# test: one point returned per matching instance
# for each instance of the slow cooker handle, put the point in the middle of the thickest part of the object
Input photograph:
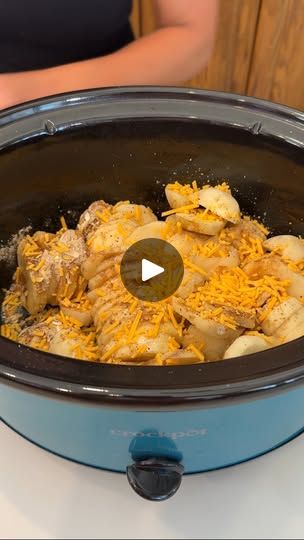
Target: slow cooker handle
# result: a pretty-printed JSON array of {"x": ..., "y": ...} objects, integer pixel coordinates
[{"x": 155, "y": 479}]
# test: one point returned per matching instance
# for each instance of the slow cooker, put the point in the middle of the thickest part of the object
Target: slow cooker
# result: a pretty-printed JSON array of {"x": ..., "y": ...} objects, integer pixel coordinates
[{"x": 59, "y": 154}]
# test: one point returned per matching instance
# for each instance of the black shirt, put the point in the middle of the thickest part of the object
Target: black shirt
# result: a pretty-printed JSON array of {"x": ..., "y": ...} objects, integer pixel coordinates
[{"x": 36, "y": 34}]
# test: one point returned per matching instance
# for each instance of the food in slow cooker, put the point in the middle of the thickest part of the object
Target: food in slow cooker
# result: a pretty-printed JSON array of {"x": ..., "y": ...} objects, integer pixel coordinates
[{"x": 241, "y": 292}]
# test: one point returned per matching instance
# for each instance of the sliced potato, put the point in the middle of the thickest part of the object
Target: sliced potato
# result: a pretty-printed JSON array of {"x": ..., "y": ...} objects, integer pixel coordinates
[
  {"x": 293, "y": 327},
  {"x": 53, "y": 271},
  {"x": 246, "y": 345},
  {"x": 214, "y": 338},
  {"x": 244, "y": 317},
  {"x": 102, "y": 278},
  {"x": 210, "y": 264},
  {"x": 176, "y": 198},
  {"x": 221, "y": 203},
  {"x": 112, "y": 235},
  {"x": 279, "y": 314},
  {"x": 195, "y": 223},
  {"x": 131, "y": 352},
  {"x": 272, "y": 265},
  {"x": 90, "y": 220},
  {"x": 183, "y": 241},
  {"x": 98, "y": 263},
  {"x": 245, "y": 228},
  {"x": 155, "y": 229},
  {"x": 70, "y": 347},
  {"x": 138, "y": 213},
  {"x": 181, "y": 357},
  {"x": 83, "y": 316},
  {"x": 63, "y": 346},
  {"x": 37, "y": 294},
  {"x": 291, "y": 247},
  {"x": 191, "y": 280},
  {"x": 38, "y": 335}
]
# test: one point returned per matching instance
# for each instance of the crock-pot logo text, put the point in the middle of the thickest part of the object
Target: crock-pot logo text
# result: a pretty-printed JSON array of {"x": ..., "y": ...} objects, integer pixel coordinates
[{"x": 159, "y": 434}]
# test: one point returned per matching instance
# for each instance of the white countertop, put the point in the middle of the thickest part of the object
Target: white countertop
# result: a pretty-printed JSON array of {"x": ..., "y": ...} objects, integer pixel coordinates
[{"x": 42, "y": 496}]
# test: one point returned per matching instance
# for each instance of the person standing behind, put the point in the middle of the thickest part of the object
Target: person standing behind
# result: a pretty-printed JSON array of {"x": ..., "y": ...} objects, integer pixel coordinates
[{"x": 59, "y": 46}]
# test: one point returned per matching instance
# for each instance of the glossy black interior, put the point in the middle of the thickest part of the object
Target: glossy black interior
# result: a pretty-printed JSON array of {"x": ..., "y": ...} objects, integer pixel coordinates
[{"x": 52, "y": 165}]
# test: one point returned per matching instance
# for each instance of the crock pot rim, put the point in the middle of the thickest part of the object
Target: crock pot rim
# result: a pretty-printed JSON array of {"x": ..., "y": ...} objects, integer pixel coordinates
[
  {"x": 32, "y": 107},
  {"x": 282, "y": 373}
]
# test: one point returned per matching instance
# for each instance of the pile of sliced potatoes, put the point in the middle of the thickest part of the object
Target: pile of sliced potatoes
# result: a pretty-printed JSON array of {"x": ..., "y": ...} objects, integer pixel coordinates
[{"x": 242, "y": 290}]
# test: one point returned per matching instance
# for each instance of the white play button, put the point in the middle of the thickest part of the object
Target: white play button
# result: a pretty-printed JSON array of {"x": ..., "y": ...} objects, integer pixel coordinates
[{"x": 149, "y": 270}]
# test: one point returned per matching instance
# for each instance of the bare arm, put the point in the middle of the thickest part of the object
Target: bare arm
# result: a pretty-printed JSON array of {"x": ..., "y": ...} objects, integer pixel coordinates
[{"x": 175, "y": 51}]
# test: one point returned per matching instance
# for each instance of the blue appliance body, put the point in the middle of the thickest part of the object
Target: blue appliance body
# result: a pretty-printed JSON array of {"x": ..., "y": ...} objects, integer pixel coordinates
[
  {"x": 111, "y": 438},
  {"x": 59, "y": 154}
]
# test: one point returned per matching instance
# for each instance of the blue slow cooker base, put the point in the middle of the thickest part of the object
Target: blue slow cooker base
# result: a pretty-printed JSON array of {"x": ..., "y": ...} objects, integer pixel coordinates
[
  {"x": 276, "y": 447},
  {"x": 110, "y": 438}
]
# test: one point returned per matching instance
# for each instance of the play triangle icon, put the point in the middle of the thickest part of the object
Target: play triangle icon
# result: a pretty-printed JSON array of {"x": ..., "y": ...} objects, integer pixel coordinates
[{"x": 150, "y": 270}]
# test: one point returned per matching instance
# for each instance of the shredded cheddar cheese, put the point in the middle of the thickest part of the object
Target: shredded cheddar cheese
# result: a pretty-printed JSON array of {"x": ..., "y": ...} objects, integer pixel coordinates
[
  {"x": 104, "y": 216},
  {"x": 172, "y": 317},
  {"x": 223, "y": 187},
  {"x": 233, "y": 289},
  {"x": 209, "y": 249},
  {"x": 63, "y": 223},
  {"x": 181, "y": 209},
  {"x": 250, "y": 249},
  {"x": 183, "y": 189},
  {"x": 196, "y": 351},
  {"x": 157, "y": 323},
  {"x": 122, "y": 231},
  {"x": 138, "y": 214},
  {"x": 108, "y": 329},
  {"x": 110, "y": 351},
  {"x": 134, "y": 325}
]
